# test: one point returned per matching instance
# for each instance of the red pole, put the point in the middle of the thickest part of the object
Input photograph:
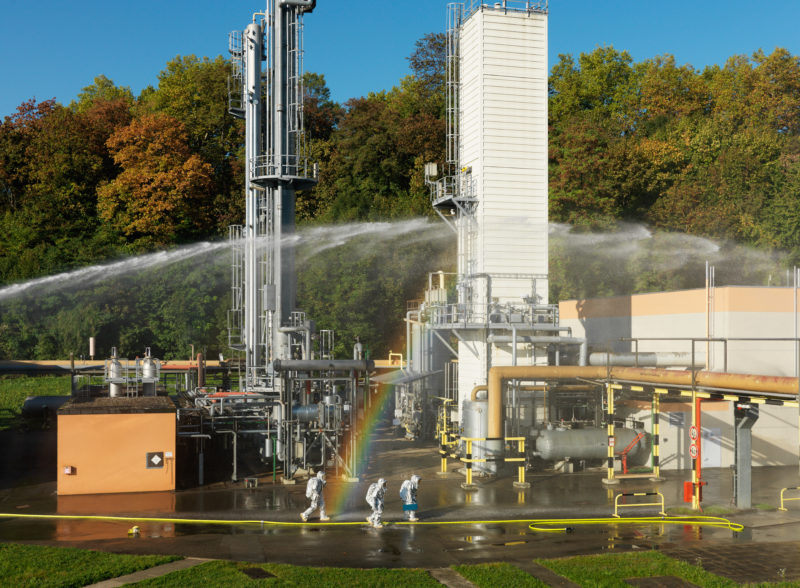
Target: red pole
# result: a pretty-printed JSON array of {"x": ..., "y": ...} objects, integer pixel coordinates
[{"x": 698, "y": 417}]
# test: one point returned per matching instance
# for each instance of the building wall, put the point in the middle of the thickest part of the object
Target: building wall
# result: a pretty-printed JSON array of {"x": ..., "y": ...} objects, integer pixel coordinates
[
  {"x": 108, "y": 452},
  {"x": 734, "y": 312},
  {"x": 503, "y": 130},
  {"x": 503, "y": 140}
]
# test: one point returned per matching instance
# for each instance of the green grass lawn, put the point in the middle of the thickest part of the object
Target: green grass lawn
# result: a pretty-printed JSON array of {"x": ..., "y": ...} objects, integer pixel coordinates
[
  {"x": 15, "y": 389},
  {"x": 45, "y": 567},
  {"x": 233, "y": 574},
  {"x": 611, "y": 570},
  {"x": 34, "y": 565}
]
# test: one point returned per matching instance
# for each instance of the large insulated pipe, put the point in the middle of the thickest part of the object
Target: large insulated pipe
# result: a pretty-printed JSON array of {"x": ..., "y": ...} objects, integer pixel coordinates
[
  {"x": 545, "y": 340},
  {"x": 323, "y": 365},
  {"x": 201, "y": 371},
  {"x": 725, "y": 381},
  {"x": 649, "y": 359}
]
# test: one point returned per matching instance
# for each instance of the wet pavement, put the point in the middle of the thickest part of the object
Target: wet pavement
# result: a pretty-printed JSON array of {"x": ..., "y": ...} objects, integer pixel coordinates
[{"x": 454, "y": 527}]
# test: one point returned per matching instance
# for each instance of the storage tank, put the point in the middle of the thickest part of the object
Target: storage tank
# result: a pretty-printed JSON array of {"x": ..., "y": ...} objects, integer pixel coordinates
[
  {"x": 115, "y": 389},
  {"x": 474, "y": 424},
  {"x": 558, "y": 444},
  {"x": 149, "y": 374}
]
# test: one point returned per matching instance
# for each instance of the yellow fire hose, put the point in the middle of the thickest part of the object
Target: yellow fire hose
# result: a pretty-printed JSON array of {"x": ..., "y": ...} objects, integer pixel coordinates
[{"x": 537, "y": 525}]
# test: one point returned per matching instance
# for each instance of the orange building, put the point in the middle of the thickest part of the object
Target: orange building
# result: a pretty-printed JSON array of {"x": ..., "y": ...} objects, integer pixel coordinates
[{"x": 109, "y": 445}]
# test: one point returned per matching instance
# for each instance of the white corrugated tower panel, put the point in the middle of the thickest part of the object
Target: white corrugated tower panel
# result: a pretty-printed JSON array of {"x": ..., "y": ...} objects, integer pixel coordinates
[{"x": 503, "y": 139}]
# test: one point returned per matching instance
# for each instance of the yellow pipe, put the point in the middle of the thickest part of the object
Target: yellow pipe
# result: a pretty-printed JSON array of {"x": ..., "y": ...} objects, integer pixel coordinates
[
  {"x": 475, "y": 390},
  {"x": 661, "y": 377}
]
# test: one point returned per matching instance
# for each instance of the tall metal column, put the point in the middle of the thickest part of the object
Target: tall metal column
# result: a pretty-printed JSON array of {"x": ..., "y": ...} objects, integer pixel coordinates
[
  {"x": 610, "y": 479},
  {"x": 272, "y": 106},
  {"x": 253, "y": 38},
  {"x": 744, "y": 417}
]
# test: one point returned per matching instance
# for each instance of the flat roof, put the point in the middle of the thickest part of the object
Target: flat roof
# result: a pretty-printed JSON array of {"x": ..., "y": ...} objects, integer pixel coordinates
[{"x": 121, "y": 405}]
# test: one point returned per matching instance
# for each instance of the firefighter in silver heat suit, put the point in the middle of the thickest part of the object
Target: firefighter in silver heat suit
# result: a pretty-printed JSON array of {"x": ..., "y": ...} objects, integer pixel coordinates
[
  {"x": 314, "y": 492},
  {"x": 375, "y": 494},
  {"x": 408, "y": 494}
]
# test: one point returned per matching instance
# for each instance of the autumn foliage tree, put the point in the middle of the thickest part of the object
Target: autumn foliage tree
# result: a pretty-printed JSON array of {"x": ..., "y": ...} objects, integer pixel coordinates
[
  {"x": 712, "y": 152},
  {"x": 161, "y": 193}
]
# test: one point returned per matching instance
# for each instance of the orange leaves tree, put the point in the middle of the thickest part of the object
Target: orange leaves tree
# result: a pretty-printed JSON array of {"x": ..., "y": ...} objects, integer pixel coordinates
[{"x": 162, "y": 192}]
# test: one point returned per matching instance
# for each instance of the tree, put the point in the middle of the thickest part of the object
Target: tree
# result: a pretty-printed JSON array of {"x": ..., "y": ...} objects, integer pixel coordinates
[
  {"x": 101, "y": 90},
  {"x": 321, "y": 114},
  {"x": 428, "y": 62},
  {"x": 56, "y": 159},
  {"x": 162, "y": 192},
  {"x": 194, "y": 91}
]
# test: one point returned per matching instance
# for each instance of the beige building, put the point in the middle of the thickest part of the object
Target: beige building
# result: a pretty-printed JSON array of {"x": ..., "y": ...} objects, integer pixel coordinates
[
  {"x": 730, "y": 314},
  {"x": 111, "y": 445}
]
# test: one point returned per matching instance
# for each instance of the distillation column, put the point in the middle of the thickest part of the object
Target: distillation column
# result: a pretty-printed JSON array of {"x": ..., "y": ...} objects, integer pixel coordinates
[{"x": 253, "y": 49}]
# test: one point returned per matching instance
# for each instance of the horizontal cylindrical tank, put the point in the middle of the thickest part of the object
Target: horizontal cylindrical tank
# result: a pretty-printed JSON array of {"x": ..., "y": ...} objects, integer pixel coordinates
[
  {"x": 306, "y": 414},
  {"x": 557, "y": 444},
  {"x": 36, "y": 407},
  {"x": 310, "y": 365}
]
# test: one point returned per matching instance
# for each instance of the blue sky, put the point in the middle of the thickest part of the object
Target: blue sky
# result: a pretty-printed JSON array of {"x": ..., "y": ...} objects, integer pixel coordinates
[{"x": 53, "y": 48}]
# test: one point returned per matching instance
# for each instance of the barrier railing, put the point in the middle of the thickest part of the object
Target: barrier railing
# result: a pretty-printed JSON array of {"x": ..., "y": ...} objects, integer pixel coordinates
[
  {"x": 617, "y": 505},
  {"x": 784, "y": 500},
  {"x": 518, "y": 457}
]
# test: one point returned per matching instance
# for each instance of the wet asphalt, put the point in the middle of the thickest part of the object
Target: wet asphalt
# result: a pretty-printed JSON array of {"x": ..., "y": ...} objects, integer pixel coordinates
[{"x": 457, "y": 526}]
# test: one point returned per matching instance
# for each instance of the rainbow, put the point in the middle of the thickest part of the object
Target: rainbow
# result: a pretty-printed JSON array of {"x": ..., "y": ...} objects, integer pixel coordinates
[{"x": 342, "y": 491}]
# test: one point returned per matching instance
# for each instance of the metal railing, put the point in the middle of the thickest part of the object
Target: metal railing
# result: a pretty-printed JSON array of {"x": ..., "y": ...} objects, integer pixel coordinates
[
  {"x": 617, "y": 505},
  {"x": 295, "y": 166},
  {"x": 784, "y": 500},
  {"x": 472, "y": 6}
]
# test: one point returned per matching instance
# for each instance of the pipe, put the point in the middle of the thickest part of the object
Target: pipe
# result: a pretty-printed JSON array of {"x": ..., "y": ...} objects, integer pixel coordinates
[
  {"x": 475, "y": 390},
  {"x": 322, "y": 365},
  {"x": 743, "y": 382},
  {"x": 648, "y": 359},
  {"x": 201, "y": 371},
  {"x": 513, "y": 345},
  {"x": 558, "y": 340}
]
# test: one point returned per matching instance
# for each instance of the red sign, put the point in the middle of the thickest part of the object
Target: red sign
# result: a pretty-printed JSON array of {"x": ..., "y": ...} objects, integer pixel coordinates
[
  {"x": 693, "y": 432},
  {"x": 611, "y": 441},
  {"x": 693, "y": 450}
]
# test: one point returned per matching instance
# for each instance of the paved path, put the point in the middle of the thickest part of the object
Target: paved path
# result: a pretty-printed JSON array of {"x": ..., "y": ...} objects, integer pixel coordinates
[
  {"x": 546, "y": 575},
  {"x": 154, "y": 572},
  {"x": 450, "y": 578}
]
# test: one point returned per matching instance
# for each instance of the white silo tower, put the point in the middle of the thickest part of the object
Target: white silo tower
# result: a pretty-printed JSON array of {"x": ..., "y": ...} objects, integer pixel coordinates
[{"x": 493, "y": 194}]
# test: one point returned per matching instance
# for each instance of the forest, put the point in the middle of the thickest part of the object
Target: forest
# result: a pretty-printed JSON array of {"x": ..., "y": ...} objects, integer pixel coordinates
[{"x": 692, "y": 155}]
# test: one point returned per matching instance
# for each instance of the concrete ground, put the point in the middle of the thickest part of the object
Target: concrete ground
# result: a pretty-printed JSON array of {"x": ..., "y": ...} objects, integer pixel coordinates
[{"x": 456, "y": 526}]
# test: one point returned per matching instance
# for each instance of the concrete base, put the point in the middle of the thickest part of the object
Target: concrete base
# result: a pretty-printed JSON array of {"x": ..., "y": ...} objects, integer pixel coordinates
[
  {"x": 566, "y": 467},
  {"x": 288, "y": 481},
  {"x": 522, "y": 485},
  {"x": 443, "y": 474},
  {"x": 469, "y": 487},
  {"x": 609, "y": 481},
  {"x": 656, "y": 479}
]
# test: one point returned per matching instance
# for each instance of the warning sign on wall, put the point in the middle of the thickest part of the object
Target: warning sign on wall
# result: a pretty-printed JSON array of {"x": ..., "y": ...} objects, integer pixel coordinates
[{"x": 155, "y": 459}]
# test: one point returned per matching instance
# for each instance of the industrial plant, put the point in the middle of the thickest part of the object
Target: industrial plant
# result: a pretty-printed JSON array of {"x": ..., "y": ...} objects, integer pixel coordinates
[
  {"x": 500, "y": 380},
  {"x": 290, "y": 405}
]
